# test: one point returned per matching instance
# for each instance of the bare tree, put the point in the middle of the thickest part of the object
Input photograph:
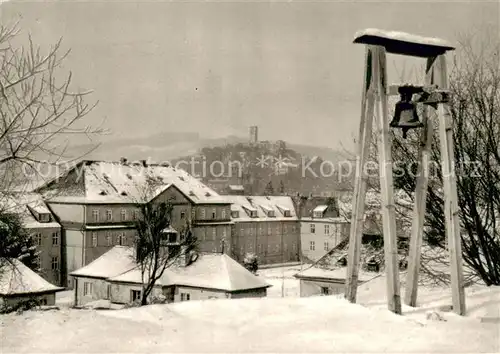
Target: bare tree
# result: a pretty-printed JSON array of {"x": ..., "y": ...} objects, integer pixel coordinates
[
  {"x": 158, "y": 245},
  {"x": 38, "y": 108}
]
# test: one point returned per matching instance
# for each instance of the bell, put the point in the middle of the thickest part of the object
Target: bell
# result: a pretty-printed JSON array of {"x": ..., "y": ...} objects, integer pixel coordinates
[{"x": 405, "y": 115}]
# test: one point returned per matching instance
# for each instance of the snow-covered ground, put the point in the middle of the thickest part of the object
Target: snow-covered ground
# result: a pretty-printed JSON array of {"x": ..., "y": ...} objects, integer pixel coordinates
[{"x": 273, "y": 324}]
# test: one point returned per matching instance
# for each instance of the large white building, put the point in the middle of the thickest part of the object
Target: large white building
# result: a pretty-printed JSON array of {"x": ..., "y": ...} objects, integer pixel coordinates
[{"x": 320, "y": 234}]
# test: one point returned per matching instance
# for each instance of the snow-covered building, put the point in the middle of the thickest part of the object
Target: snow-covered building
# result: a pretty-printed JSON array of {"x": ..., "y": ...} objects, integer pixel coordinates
[
  {"x": 321, "y": 227},
  {"x": 18, "y": 283},
  {"x": 97, "y": 202},
  {"x": 38, "y": 219},
  {"x": 327, "y": 276},
  {"x": 116, "y": 277},
  {"x": 266, "y": 226}
]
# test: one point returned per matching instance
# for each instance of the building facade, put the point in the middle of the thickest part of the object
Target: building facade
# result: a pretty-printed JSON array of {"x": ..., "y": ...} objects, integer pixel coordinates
[
  {"x": 319, "y": 235},
  {"x": 97, "y": 203},
  {"x": 45, "y": 231},
  {"x": 266, "y": 226}
]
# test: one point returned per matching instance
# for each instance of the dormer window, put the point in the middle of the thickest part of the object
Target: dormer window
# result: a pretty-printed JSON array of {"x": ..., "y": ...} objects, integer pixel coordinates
[
  {"x": 285, "y": 211},
  {"x": 319, "y": 211},
  {"x": 235, "y": 214},
  {"x": 253, "y": 213},
  {"x": 271, "y": 213},
  {"x": 44, "y": 217}
]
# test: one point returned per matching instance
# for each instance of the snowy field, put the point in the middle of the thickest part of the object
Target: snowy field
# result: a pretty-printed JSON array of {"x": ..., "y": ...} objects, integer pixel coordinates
[{"x": 271, "y": 325}]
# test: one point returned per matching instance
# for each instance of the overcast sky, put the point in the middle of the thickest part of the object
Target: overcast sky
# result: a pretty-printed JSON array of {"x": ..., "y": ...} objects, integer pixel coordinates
[{"x": 216, "y": 68}]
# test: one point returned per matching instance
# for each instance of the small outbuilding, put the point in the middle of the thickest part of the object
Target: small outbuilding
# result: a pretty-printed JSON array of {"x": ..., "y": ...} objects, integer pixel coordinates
[
  {"x": 18, "y": 283},
  {"x": 116, "y": 277},
  {"x": 327, "y": 276}
]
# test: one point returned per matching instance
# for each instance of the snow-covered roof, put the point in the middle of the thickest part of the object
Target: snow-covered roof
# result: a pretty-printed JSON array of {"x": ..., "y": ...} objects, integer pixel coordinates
[
  {"x": 211, "y": 271},
  {"x": 403, "y": 43},
  {"x": 320, "y": 208},
  {"x": 262, "y": 205},
  {"x": 16, "y": 278},
  {"x": 337, "y": 220},
  {"x": 120, "y": 182},
  {"x": 327, "y": 267},
  {"x": 24, "y": 204},
  {"x": 118, "y": 260}
]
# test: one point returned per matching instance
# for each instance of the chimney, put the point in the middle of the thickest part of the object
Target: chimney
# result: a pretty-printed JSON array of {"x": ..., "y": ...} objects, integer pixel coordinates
[
  {"x": 123, "y": 160},
  {"x": 144, "y": 163},
  {"x": 183, "y": 258}
]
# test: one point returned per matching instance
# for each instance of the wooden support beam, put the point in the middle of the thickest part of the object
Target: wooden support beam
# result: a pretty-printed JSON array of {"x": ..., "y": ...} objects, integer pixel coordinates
[
  {"x": 358, "y": 200},
  {"x": 427, "y": 94},
  {"x": 451, "y": 210},
  {"x": 386, "y": 182},
  {"x": 417, "y": 227}
]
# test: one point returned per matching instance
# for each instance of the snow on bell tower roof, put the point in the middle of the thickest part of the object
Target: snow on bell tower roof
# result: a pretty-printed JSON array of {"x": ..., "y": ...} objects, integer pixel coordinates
[{"x": 403, "y": 43}]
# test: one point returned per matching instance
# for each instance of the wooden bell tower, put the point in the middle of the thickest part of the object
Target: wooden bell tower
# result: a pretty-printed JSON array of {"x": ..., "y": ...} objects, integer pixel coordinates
[{"x": 434, "y": 95}]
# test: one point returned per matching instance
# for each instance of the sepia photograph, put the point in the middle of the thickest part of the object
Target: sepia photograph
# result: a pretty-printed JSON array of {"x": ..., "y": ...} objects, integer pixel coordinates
[{"x": 249, "y": 176}]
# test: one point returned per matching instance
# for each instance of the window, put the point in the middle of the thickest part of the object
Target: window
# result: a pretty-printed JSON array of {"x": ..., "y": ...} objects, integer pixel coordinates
[
  {"x": 183, "y": 214},
  {"x": 87, "y": 289},
  {"x": 224, "y": 232},
  {"x": 55, "y": 238},
  {"x": 38, "y": 239},
  {"x": 120, "y": 239},
  {"x": 109, "y": 215},
  {"x": 318, "y": 214},
  {"x": 109, "y": 238},
  {"x": 95, "y": 215},
  {"x": 284, "y": 228},
  {"x": 214, "y": 233},
  {"x": 312, "y": 245},
  {"x": 277, "y": 248},
  {"x": 269, "y": 229},
  {"x": 135, "y": 295},
  {"x": 44, "y": 217},
  {"x": 202, "y": 211},
  {"x": 326, "y": 246},
  {"x": 223, "y": 214},
  {"x": 278, "y": 229},
  {"x": 136, "y": 214},
  {"x": 325, "y": 290},
  {"x": 313, "y": 228},
  {"x": 259, "y": 247},
  {"x": 327, "y": 229},
  {"x": 55, "y": 263},
  {"x": 214, "y": 214},
  {"x": 123, "y": 214},
  {"x": 294, "y": 247},
  {"x": 108, "y": 292},
  {"x": 185, "y": 297},
  {"x": 94, "y": 239}
]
